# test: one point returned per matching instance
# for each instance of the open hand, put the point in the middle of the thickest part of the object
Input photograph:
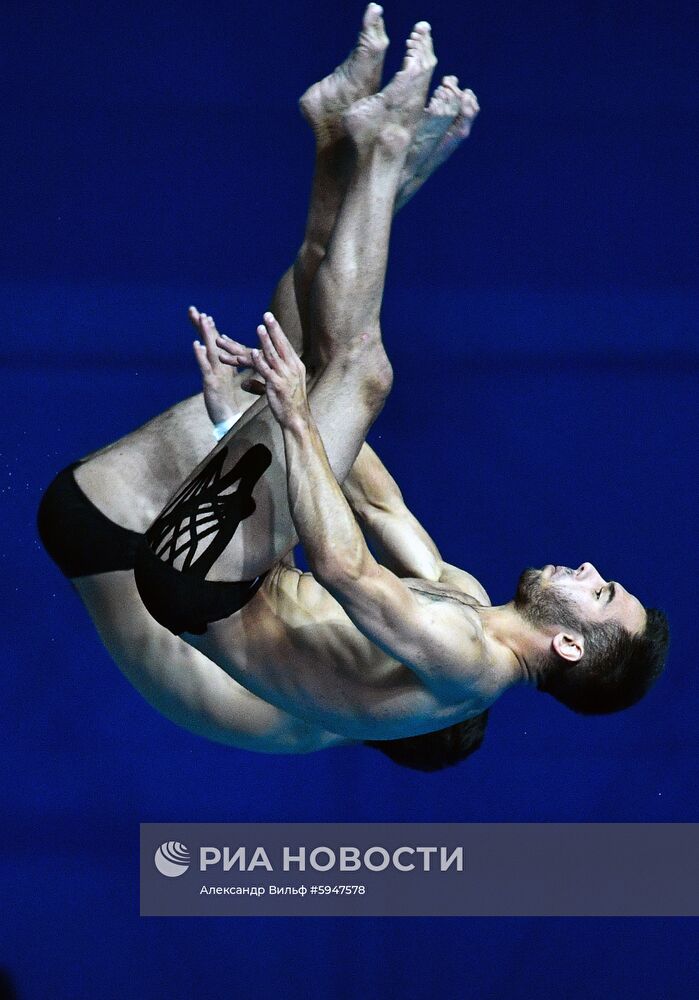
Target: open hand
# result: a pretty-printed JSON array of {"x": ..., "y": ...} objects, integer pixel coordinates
[
  {"x": 217, "y": 377},
  {"x": 283, "y": 372}
]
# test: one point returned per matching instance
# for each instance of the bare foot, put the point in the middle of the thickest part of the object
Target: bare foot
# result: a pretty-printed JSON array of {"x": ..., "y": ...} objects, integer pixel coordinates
[
  {"x": 463, "y": 122},
  {"x": 358, "y": 76},
  {"x": 394, "y": 114},
  {"x": 437, "y": 117},
  {"x": 432, "y": 157}
]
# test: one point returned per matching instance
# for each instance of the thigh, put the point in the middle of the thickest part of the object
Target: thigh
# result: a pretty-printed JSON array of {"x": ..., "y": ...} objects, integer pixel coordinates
[
  {"x": 230, "y": 519},
  {"x": 181, "y": 683},
  {"x": 132, "y": 479}
]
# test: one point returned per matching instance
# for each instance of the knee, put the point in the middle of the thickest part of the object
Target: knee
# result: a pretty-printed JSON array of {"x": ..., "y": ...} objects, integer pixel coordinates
[
  {"x": 309, "y": 258},
  {"x": 383, "y": 374},
  {"x": 363, "y": 364},
  {"x": 377, "y": 377}
]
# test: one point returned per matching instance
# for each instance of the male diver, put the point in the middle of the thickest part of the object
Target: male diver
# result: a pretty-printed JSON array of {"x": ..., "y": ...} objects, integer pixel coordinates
[
  {"x": 354, "y": 647},
  {"x": 94, "y": 514}
]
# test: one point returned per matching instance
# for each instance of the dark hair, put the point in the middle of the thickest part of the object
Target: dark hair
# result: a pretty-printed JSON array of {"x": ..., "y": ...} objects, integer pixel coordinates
[
  {"x": 434, "y": 751},
  {"x": 616, "y": 669}
]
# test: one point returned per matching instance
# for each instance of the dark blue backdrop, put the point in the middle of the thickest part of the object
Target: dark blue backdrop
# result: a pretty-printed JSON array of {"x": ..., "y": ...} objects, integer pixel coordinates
[{"x": 541, "y": 312}]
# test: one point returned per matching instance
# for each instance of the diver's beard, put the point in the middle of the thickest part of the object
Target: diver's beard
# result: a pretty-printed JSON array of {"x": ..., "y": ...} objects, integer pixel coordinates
[{"x": 541, "y": 606}]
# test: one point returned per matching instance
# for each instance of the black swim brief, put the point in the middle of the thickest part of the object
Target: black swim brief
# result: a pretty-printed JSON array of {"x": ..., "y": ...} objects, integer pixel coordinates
[
  {"x": 80, "y": 539},
  {"x": 182, "y": 602}
]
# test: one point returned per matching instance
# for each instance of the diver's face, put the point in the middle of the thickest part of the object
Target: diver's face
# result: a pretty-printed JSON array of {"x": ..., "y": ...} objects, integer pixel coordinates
[{"x": 574, "y": 598}]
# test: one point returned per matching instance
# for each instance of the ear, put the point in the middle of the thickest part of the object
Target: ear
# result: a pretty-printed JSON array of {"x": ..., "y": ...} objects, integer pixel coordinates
[{"x": 569, "y": 646}]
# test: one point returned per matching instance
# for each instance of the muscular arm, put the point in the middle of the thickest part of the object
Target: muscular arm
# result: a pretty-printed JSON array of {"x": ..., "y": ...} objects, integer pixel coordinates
[
  {"x": 434, "y": 637},
  {"x": 401, "y": 542},
  {"x": 431, "y": 637},
  {"x": 398, "y": 538}
]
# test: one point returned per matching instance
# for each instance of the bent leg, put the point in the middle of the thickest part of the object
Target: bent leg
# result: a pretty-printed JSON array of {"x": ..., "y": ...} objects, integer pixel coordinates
[
  {"x": 217, "y": 530},
  {"x": 131, "y": 480},
  {"x": 139, "y": 472},
  {"x": 323, "y": 106},
  {"x": 184, "y": 685}
]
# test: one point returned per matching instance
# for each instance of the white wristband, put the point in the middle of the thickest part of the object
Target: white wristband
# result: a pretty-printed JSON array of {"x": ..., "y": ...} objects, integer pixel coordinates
[{"x": 222, "y": 428}]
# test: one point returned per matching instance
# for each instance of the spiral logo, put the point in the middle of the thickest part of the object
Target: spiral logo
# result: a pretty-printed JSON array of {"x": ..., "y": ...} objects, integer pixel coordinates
[{"x": 172, "y": 859}]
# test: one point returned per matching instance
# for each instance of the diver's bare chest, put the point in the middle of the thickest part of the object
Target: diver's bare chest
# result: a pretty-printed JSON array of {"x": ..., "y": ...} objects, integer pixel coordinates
[{"x": 429, "y": 593}]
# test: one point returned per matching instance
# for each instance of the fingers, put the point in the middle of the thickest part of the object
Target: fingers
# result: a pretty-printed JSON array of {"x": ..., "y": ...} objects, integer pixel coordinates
[
  {"x": 206, "y": 328},
  {"x": 209, "y": 332},
  {"x": 276, "y": 346},
  {"x": 231, "y": 361},
  {"x": 233, "y": 353},
  {"x": 269, "y": 351},
  {"x": 193, "y": 314},
  {"x": 260, "y": 364},
  {"x": 202, "y": 359},
  {"x": 278, "y": 338},
  {"x": 276, "y": 350}
]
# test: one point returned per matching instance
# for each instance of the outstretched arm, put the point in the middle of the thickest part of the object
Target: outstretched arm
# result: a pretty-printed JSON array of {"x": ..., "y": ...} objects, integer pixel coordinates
[{"x": 431, "y": 638}]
